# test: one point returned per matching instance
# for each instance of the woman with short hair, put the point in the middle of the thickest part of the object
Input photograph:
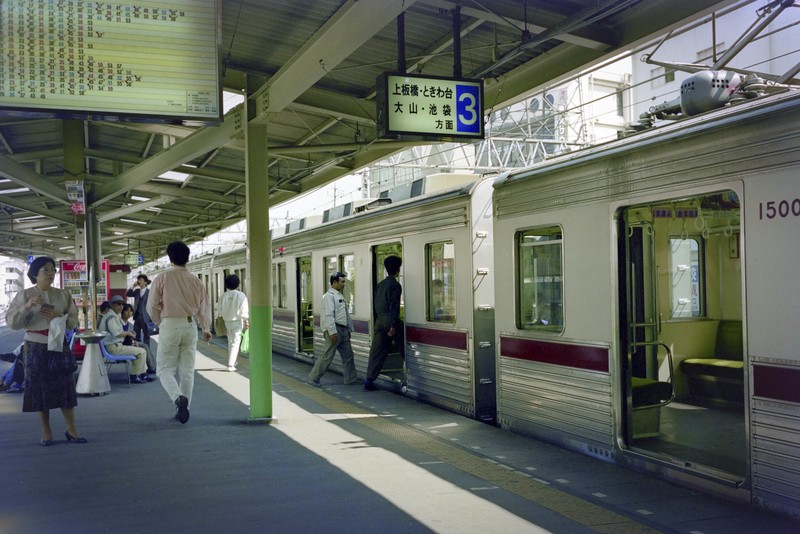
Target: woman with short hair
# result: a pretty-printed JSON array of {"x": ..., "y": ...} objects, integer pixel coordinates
[{"x": 49, "y": 375}]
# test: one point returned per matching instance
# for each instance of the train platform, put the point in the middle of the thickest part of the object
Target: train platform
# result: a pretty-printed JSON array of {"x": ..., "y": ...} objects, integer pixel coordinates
[{"x": 334, "y": 459}]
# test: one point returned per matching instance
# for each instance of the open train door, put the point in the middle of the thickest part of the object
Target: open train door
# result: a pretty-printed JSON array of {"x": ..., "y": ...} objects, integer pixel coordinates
[
  {"x": 680, "y": 318},
  {"x": 395, "y": 365},
  {"x": 305, "y": 306}
]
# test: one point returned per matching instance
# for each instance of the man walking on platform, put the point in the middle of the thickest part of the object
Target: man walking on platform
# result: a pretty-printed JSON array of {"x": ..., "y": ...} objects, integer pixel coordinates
[
  {"x": 235, "y": 311},
  {"x": 336, "y": 325},
  {"x": 176, "y": 297},
  {"x": 388, "y": 326}
]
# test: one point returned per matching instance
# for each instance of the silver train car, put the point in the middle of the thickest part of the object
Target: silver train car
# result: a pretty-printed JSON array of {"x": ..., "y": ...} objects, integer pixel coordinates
[
  {"x": 441, "y": 227},
  {"x": 656, "y": 301},
  {"x": 635, "y": 301}
]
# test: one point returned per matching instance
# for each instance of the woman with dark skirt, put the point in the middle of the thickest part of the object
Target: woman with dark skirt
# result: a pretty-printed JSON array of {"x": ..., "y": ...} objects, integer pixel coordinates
[{"x": 49, "y": 375}]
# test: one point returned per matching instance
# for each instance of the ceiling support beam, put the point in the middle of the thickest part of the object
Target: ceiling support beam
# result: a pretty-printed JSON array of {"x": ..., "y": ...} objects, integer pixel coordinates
[
  {"x": 134, "y": 208},
  {"x": 131, "y": 235},
  {"x": 198, "y": 143},
  {"x": 22, "y": 175},
  {"x": 351, "y": 27},
  {"x": 36, "y": 209}
]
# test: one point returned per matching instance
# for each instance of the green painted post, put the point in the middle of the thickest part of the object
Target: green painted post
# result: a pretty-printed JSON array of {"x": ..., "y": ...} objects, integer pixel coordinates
[{"x": 259, "y": 268}]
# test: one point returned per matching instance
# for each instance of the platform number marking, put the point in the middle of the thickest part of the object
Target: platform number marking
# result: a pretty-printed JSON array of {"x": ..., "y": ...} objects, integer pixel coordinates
[{"x": 467, "y": 106}]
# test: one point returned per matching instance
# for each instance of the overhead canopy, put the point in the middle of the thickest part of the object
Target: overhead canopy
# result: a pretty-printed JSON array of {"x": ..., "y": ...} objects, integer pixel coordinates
[{"x": 309, "y": 68}]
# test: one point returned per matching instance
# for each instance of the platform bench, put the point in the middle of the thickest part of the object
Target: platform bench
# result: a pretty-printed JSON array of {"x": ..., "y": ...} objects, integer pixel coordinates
[{"x": 719, "y": 379}]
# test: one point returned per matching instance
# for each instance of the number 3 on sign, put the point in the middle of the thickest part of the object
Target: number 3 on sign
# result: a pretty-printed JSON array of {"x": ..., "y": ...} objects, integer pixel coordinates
[{"x": 468, "y": 109}]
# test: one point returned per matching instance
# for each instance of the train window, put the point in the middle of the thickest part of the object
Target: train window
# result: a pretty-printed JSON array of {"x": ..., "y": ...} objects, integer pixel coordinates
[
  {"x": 274, "y": 285},
  {"x": 686, "y": 277},
  {"x": 539, "y": 279},
  {"x": 348, "y": 262},
  {"x": 279, "y": 293},
  {"x": 345, "y": 263},
  {"x": 440, "y": 282}
]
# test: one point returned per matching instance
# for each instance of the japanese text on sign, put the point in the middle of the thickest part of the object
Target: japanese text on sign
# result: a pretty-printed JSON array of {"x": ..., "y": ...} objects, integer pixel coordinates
[
  {"x": 151, "y": 58},
  {"x": 443, "y": 107}
]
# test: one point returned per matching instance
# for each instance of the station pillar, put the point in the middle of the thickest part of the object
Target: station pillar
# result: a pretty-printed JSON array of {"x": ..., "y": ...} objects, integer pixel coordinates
[{"x": 259, "y": 266}]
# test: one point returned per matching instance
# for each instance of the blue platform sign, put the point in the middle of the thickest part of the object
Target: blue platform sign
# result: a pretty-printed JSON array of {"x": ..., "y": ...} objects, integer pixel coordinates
[
  {"x": 468, "y": 109},
  {"x": 30, "y": 259},
  {"x": 429, "y": 107}
]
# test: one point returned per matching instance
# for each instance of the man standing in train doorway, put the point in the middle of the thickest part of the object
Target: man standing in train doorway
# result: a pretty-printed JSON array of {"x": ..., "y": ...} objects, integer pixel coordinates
[
  {"x": 176, "y": 298},
  {"x": 336, "y": 325},
  {"x": 388, "y": 326}
]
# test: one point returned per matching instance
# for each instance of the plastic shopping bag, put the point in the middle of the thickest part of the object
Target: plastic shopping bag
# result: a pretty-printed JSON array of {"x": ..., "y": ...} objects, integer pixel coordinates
[{"x": 245, "y": 346}]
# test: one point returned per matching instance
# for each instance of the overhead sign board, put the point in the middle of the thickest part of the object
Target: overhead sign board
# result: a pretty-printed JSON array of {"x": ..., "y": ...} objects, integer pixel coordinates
[
  {"x": 134, "y": 259},
  {"x": 151, "y": 60},
  {"x": 428, "y": 107}
]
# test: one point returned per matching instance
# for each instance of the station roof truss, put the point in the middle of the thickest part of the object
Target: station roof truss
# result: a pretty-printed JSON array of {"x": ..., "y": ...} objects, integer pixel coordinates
[{"x": 309, "y": 70}]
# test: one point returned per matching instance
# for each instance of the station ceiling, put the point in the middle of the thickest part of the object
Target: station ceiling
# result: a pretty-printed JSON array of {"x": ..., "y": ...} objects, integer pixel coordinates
[{"x": 309, "y": 69}]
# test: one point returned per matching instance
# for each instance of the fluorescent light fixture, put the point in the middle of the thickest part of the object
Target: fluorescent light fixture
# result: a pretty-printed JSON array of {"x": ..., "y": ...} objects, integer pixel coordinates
[
  {"x": 118, "y": 233},
  {"x": 30, "y": 218},
  {"x": 46, "y": 228},
  {"x": 174, "y": 176},
  {"x": 18, "y": 190},
  {"x": 66, "y": 248},
  {"x": 151, "y": 208},
  {"x": 133, "y": 221},
  {"x": 139, "y": 199},
  {"x": 120, "y": 243}
]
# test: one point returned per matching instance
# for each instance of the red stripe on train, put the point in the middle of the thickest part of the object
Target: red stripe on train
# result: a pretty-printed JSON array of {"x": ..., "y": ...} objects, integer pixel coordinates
[
  {"x": 579, "y": 356},
  {"x": 441, "y": 338},
  {"x": 362, "y": 327},
  {"x": 776, "y": 383},
  {"x": 282, "y": 316}
]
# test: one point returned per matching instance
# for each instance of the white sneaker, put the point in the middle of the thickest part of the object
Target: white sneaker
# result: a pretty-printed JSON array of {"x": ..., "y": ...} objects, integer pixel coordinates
[{"x": 231, "y": 368}]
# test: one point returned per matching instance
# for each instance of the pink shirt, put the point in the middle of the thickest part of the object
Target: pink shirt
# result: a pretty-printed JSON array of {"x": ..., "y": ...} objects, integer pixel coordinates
[{"x": 178, "y": 293}]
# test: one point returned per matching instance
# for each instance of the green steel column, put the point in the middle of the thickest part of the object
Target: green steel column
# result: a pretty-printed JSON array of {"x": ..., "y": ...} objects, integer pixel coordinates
[
  {"x": 72, "y": 131},
  {"x": 259, "y": 268}
]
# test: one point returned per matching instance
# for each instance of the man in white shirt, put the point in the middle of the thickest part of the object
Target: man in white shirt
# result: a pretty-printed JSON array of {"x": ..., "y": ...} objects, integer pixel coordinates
[
  {"x": 112, "y": 323},
  {"x": 235, "y": 311},
  {"x": 337, "y": 325}
]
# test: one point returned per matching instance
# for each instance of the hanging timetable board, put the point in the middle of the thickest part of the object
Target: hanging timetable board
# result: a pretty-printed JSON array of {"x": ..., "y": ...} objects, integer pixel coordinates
[{"x": 147, "y": 60}]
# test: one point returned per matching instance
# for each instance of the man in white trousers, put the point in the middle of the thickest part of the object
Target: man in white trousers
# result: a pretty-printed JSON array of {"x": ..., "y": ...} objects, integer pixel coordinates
[
  {"x": 235, "y": 311},
  {"x": 176, "y": 298}
]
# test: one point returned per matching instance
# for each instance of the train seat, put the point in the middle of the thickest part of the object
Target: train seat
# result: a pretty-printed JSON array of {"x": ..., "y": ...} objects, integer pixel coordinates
[
  {"x": 648, "y": 398},
  {"x": 648, "y": 392},
  {"x": 719, "y": 379}
]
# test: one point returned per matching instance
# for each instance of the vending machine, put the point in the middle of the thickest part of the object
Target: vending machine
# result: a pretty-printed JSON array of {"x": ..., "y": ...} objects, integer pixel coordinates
[{"x": 75, "y": 279}]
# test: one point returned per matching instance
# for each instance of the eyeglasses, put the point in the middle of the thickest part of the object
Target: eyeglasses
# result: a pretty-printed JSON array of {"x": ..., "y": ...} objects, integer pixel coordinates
[{"x": 48, "y": 271}]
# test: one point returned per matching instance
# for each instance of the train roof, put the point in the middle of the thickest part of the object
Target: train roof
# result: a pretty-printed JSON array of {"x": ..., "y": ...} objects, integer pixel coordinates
[
  {"x": 773, "y": 104},
  {"x": 432, "y": 188}
]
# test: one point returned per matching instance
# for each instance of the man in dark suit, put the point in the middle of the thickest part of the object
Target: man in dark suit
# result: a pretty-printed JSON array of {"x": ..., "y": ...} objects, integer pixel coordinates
[
  {"x": 141, "y": 319},
  {"x": 388, "y": 327}
]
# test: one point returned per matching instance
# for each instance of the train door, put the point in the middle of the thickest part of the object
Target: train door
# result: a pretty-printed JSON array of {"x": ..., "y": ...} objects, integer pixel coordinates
[
  {"x": 242, "y": 274},
  {"x": 305, "y": 305},
  {"x": 394, "y": 366},
  {"x": 681, "y": 362}
]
